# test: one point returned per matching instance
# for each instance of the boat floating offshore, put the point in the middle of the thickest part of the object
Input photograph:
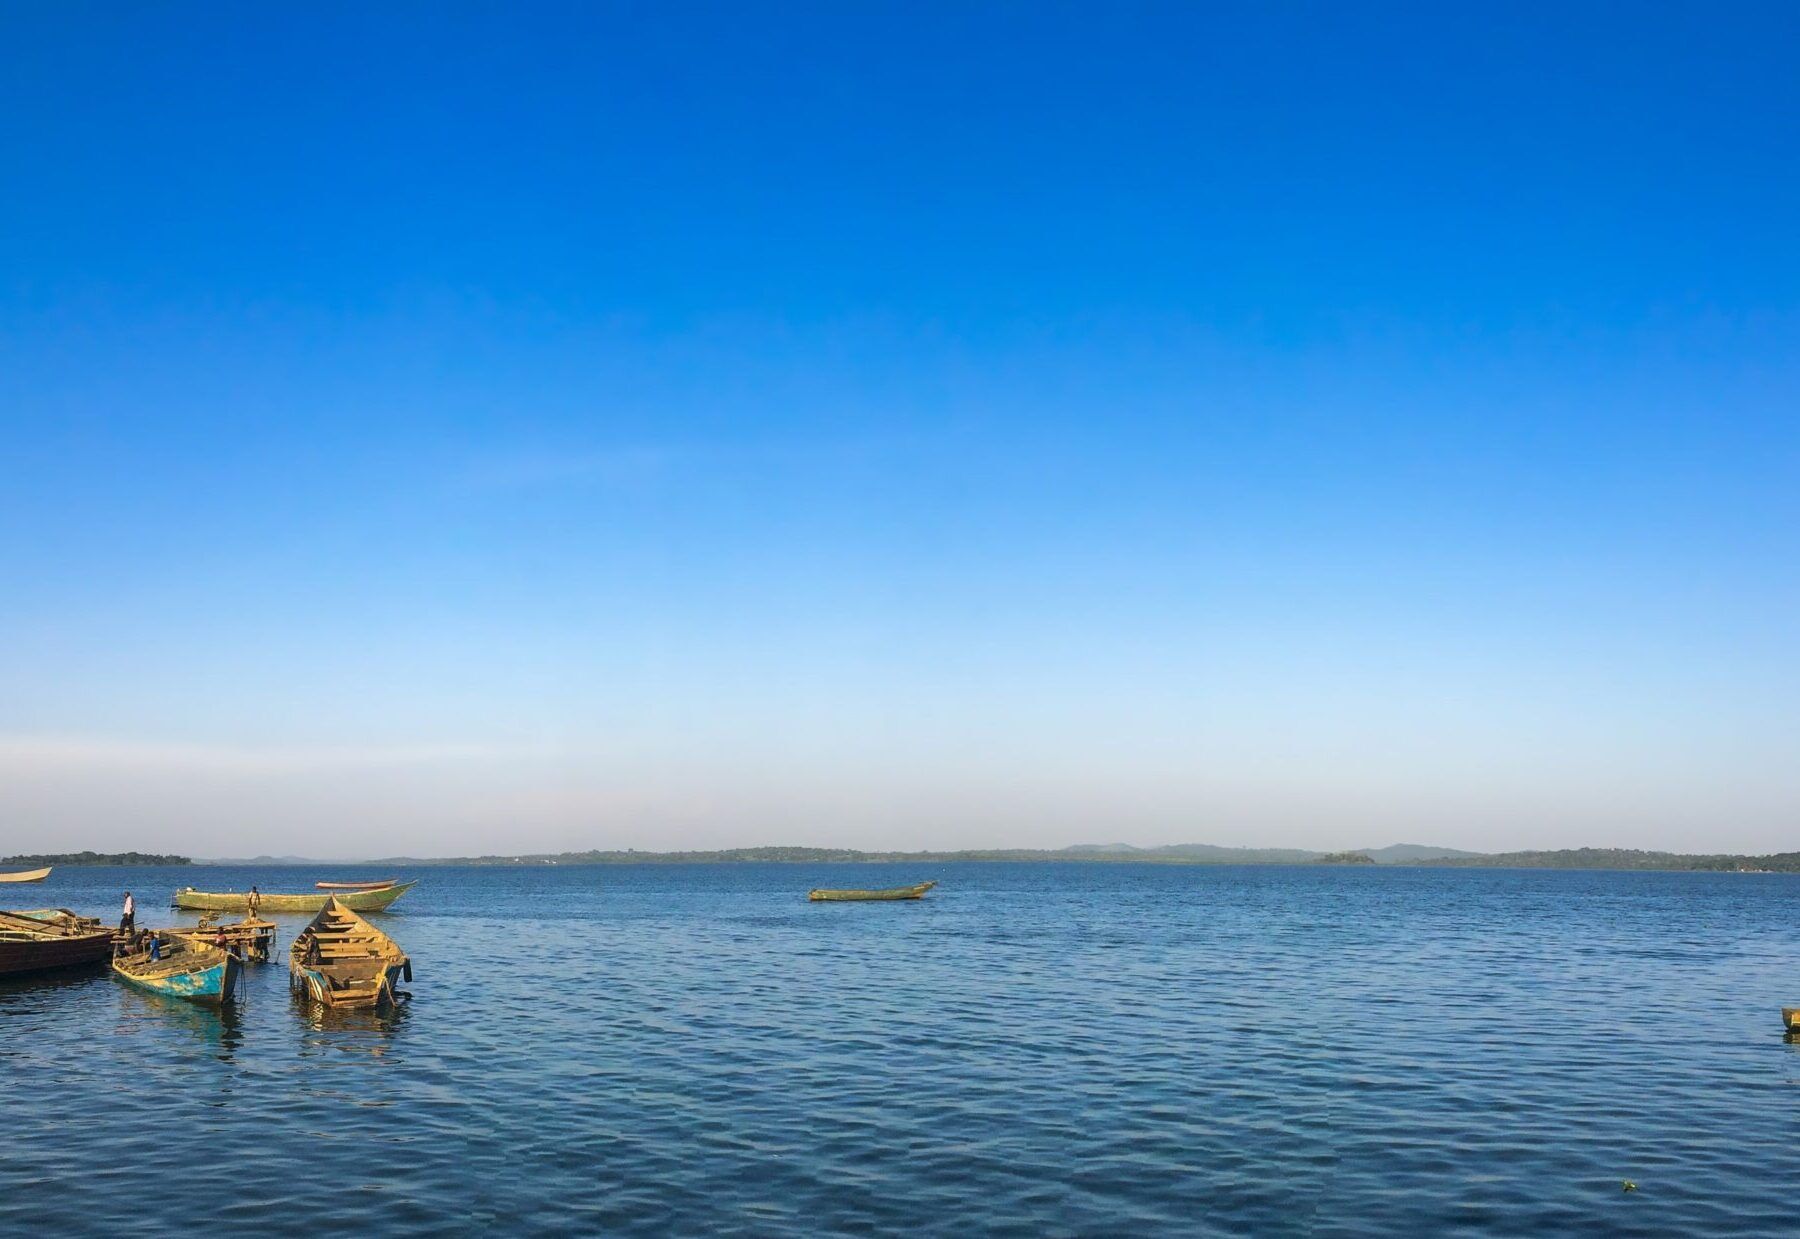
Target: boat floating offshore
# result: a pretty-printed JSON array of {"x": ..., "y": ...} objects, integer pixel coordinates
[
  {"x": 356, "y": 901},
  {"x": 340, "y": 960},
  {"x": 181, "y": 967},
  {"x": 28, "y": 875},
  {"x": 53, "y": 938},
  {"x": 897, "y": 892}
]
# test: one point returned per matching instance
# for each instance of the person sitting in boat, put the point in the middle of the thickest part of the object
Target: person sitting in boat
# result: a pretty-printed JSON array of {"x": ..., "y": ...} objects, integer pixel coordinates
[
  {"x": 155, "y": 948},
  {"x": 128, "y": 921}
]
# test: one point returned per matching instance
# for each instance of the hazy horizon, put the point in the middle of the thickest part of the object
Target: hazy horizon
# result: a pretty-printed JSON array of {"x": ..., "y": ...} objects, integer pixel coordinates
[{"x": 911, "y": 428}]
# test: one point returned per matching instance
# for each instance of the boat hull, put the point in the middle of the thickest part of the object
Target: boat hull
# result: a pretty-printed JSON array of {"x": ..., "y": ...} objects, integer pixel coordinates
[
  {"x": 211, "y": 982},
  {"x": 356, "y": 901},
  {"x": 314, "y": 985},
  {"x": 28, "y": 875},
  {"x": 43, "y": 955},
  {"x": 850, "y": 896},
  {"x": 340, "y": 960},
  {"x": 1791, "y": 1017}
]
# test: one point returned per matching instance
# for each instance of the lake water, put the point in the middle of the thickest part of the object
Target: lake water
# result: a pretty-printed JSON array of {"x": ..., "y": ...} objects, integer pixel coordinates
[{"x": 1032, "y": 1050}]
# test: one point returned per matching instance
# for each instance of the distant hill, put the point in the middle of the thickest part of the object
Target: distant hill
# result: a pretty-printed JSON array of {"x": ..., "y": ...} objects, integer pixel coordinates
[{"x": 1413, "y": 853}]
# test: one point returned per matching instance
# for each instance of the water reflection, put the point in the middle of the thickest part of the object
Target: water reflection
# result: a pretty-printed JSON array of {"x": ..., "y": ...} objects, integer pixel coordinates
[
  {"x": 217, "y": 1028},
  {"x": 23, "y": 994},
  {"x": 369, "y": 1031}
]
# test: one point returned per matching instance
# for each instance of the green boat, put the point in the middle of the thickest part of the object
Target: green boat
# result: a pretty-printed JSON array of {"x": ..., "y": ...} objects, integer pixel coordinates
[
  {"x": 356, "y": 901},
  {"x": 897, "y": 892},
  {"x": 181, "y": 968}
]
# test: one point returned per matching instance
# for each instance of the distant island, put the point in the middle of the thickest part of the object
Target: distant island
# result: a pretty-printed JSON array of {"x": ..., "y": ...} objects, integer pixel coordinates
[
  {"x": 95, "y": 858},
  {"x": 1344, "y": 858},
  {"x": 1627, "y": 858}
]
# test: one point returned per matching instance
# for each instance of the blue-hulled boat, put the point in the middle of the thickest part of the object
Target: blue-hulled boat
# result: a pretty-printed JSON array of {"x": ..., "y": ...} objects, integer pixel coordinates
[{"x": 181, "y": 968}]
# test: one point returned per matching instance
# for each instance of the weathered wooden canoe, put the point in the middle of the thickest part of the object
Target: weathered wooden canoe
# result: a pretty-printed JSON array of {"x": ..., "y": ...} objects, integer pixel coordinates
[
  {"x": 64, "y": 917},
  {"x": 184, "y": 968},
  {"x": 356, "y": 901},
  {"x": 897, "y": 892},
  {"x": 29, "y": 875},
  {"x": 28, "y": 944},
  {"x": 252, "y": 939},
  {"x": 340, "y": 960},
  {"x": 353, "y": 886}
]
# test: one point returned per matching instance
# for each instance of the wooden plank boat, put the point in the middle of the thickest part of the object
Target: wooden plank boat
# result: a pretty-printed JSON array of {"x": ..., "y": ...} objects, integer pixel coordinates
[
  {"x": 62, "y": 916},
  {"x": 353, "y": 886},
  {"x": 251, "y": 939},
  {"x": 1791, "y": 1017},
  {"x": 340, "y": 960},
  {"x": 28, "y": 944},
  {"x": 183, "y": 967},
  {"x": 28, "y": 875},
  {"x": 356, "y": 901},
  {"x": 897, "y": 892}
]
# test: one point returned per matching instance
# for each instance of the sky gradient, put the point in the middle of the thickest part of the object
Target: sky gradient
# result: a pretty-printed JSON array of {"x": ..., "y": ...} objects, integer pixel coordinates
[{"x": 494, "y": 428}]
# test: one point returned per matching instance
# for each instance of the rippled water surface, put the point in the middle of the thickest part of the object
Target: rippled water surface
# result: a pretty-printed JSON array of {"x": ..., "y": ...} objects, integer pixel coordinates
[{"x": 1033, "y": 1050}]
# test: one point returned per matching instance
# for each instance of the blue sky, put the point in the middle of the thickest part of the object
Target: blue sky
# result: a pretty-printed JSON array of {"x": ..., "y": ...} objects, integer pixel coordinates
[{"x": 480, "y": 428}]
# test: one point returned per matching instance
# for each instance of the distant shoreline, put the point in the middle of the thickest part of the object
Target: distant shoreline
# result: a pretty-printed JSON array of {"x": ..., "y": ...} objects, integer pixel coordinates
[
  {"x": 1396, "y": 856},
  {"x": 1405, "y": 855}
]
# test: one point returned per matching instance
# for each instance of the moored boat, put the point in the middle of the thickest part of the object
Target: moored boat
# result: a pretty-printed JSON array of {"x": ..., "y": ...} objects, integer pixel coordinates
[
  {"x": 180, "y": 967},
  {"x": 64, "y": 917},
  {"x": 852, "y": 896},
  {"x": 63, "y": 940},
  {"x": 252, "y": 939},
  {"x": 340, "y": 960},
  {"x": 1791, "y": 1017},
  {"x": 28, "y": 875},
  {"x": 353, "y": 886},
  {"x": 356, "y": 901}
]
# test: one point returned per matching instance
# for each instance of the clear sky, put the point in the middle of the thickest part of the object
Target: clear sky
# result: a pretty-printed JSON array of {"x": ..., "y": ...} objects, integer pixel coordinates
[{"x": 504, "y": 427}]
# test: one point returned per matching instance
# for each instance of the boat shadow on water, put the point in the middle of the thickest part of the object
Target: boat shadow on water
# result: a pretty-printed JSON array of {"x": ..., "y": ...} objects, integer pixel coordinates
[
  {"x": 19, "y": 993},
  {"x": 218, "y": 1026},
  {"x": 362, "y": 1031}
]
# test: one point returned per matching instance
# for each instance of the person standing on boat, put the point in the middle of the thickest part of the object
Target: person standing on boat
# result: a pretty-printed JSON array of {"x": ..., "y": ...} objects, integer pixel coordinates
[
  {"x": 128, "y": 921},
  {"x": 255, "y": 902}
]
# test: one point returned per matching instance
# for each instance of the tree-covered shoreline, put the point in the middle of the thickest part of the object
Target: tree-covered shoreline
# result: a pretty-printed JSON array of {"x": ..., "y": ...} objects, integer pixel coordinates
[{"x": 94, "y": 858}]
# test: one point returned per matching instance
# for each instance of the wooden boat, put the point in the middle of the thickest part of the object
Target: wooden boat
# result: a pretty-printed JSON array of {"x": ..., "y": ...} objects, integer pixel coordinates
[
  {"x": 62, "y": 916},
  {"x": 353, "y": 886},
  {"x": 340, "y": 960},
  {"x": 356, "y": 901},
  {"x": 252, "y": 939},
  {"x": 897, "y": 892},
  {"x": 30, "y": 944},
  {"x": 183, "y": 967},
  {"x": 1791, "y": 1017},
  {"x": 29, "y": 875}
]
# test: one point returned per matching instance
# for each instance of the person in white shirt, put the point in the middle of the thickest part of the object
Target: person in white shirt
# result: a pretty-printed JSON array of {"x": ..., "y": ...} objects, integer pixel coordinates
[{"x": 128, "y": 922}]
